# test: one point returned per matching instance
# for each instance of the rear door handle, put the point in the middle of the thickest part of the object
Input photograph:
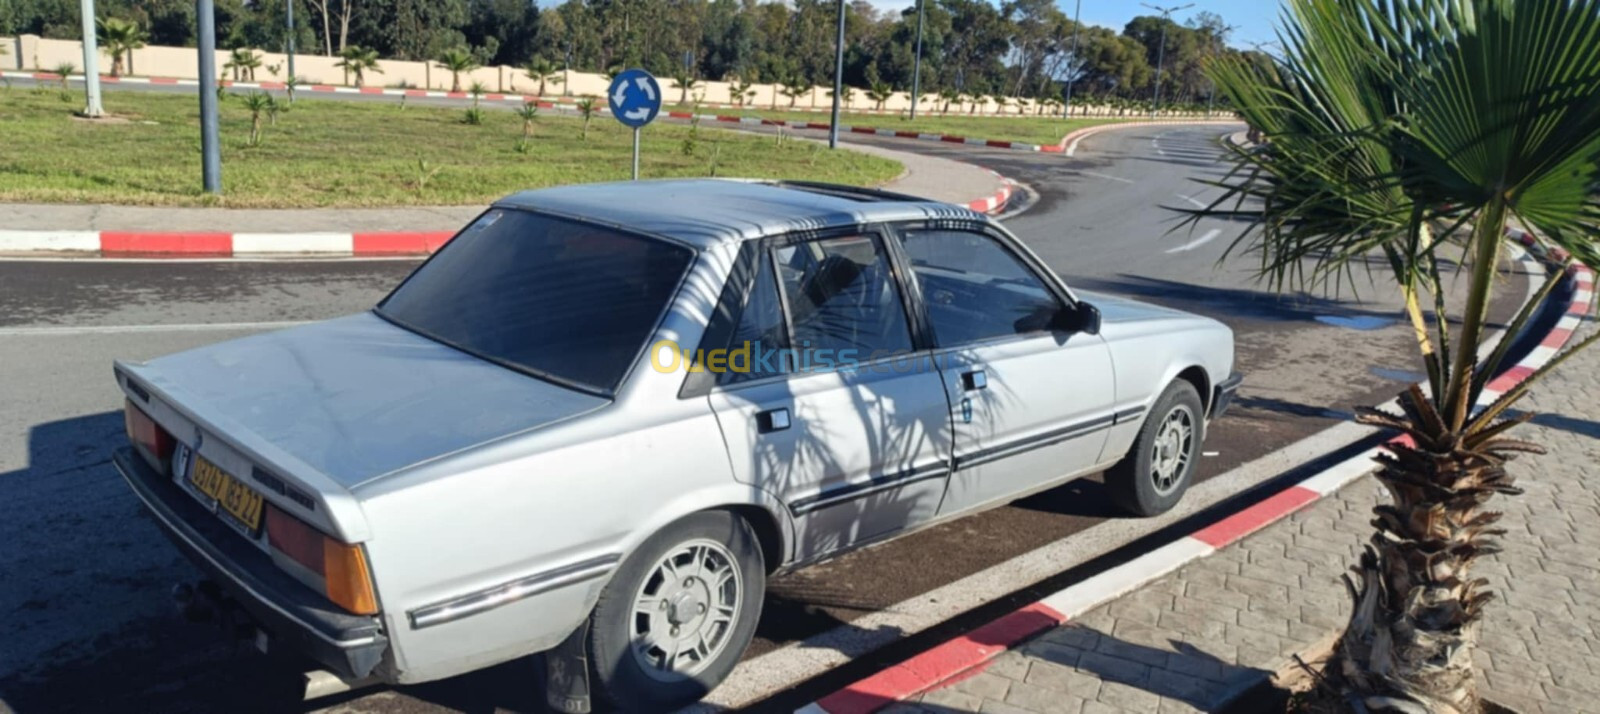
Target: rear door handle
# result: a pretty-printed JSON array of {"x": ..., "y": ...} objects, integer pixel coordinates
[
  {"x": 772, "y": 420},
  {"x": 974, "y": 380}
]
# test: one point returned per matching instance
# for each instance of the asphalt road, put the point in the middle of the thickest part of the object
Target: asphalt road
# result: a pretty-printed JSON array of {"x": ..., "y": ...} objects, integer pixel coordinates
[{"x": 88, "y": 625}]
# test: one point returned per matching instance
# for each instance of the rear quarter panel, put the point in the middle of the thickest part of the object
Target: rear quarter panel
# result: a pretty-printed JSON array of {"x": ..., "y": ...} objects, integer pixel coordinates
[{"x": 594, "y": 487}]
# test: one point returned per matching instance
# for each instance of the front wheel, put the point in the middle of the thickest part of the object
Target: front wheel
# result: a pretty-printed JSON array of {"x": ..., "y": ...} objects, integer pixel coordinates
[
  {"x": 678, "y": 614},
  {"x": 1157, "y": 471}
]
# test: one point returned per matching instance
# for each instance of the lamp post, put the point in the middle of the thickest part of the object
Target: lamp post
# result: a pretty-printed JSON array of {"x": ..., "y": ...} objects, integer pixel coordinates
[
  {"x": 838, "y": 82},
  {"x": 1072, "y": 74},
  {"x": 1161, "y": 52},
  {"x": 916, "y": 66},
  {"x": 289, "y": 23},
  {"x": 91, "y": 64},
  {"x": 211, "y": 155}
]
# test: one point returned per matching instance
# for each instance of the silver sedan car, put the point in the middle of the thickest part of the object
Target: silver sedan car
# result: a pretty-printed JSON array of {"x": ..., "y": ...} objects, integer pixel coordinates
[{"x": 602, "y": 416}]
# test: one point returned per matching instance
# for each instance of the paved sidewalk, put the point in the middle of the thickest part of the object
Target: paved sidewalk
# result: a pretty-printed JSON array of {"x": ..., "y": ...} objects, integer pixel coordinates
[
  {"x": 930, "y": 176},
  {"x": 1189, "y": 640}
]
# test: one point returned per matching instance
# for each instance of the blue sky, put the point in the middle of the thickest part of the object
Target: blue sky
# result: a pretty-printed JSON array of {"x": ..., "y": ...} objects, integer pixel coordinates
[{"x": 1254, "y": 18}]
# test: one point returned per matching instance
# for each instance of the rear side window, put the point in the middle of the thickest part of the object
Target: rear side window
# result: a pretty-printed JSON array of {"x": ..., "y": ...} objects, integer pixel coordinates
[
  {"x": 842, "y": 302},
  {"x": 568, "y": 301}
]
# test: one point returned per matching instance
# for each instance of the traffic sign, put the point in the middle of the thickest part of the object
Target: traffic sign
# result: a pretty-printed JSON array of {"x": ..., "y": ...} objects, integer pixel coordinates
[{"x": 635, "y": 97}]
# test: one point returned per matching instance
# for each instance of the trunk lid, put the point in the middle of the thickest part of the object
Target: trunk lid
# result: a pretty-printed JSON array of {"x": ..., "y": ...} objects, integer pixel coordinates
[{"x": 356, "y": 398}]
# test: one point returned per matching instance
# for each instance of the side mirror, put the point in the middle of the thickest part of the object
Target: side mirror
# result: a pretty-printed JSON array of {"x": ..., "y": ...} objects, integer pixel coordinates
[{"x": 1081, "y": 317}]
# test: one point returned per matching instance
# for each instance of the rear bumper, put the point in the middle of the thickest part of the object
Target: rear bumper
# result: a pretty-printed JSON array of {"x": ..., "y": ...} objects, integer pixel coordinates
[
  {"x": 293, "y": 615},
  {"x": 1225, "y": 393}
]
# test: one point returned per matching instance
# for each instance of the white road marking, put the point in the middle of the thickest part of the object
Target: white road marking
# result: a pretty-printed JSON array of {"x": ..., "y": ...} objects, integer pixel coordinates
[
  {"x": 1196, "y": 243},
  {"x": 1191, "y": 199},
  {"x": 124, "y": 329},
  {"x": 1106, "y": 177}
]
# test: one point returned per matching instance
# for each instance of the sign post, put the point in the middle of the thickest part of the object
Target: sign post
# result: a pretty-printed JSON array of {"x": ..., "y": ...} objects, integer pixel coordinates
[{"x": 635, "y": 100}]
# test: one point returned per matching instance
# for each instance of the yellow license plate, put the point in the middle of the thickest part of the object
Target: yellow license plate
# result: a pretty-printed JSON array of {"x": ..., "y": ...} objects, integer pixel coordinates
[{"x": 233, "y": 497}]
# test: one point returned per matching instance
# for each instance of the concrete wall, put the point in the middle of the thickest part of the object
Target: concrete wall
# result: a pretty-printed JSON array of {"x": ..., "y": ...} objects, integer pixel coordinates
[{"x": 36, "y": 53}]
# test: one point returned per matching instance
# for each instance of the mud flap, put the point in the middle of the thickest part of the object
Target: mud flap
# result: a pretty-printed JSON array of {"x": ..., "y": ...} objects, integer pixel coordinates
[{"x": 566, "y": 673}]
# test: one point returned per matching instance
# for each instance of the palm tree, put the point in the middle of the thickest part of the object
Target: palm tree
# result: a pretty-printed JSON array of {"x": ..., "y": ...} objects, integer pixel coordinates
[
  {"x": 879, "y": 93},
  {"x": 978, "y": 100},
  {"x": 544, "y": 72},
  {"x": 586, "y": 107},
  {"x": 244, "y": 62},
  {"x": 119, "y": 38},
  {"x": 62, "y": 71},
  {"x": 529, "y": 111},
  {"x": 685, "y": 81},
  {"x": 359, "y": 60},
  {"x": 257, "y": 102},
  {"x": 455, "y": 61},
  {"x": 795, "y": 88},
  {"x": 740, "y": 91},
  {"x": 846, "y": 98},
  {"x": 1377, "y": 117}
]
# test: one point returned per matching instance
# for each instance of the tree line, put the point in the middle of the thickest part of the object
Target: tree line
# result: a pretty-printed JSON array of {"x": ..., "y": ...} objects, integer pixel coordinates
[{"x": 1017, "y": 48}]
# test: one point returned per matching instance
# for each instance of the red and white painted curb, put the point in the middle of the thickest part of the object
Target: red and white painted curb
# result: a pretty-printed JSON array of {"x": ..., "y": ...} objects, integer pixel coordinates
[
  {"x": 156, "y": 244},
  {"x": 135, "y": 244},
  {"x": 968, "y": 654}
]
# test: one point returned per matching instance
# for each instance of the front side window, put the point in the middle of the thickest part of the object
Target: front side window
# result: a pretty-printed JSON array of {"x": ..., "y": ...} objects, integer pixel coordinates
[
  {"x": 841, "y": 300},
  {"x": 565, "y": 300},
  {"x": 976, "y": 289}
]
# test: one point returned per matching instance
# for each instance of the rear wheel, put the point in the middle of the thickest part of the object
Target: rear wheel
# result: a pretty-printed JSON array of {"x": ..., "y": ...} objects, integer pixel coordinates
[
  {"x": 678, "y": 614},
  {"x": 1157, "y": 471}
]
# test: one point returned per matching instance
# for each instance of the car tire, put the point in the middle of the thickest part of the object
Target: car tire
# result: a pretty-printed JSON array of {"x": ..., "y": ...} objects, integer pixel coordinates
[
  {"x": 1158, "y": 469},
  {"x": 693, "y": 568}
]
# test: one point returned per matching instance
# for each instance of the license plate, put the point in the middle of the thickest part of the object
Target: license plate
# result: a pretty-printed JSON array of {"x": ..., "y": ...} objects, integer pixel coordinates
[{"x": 233, "y": 499}]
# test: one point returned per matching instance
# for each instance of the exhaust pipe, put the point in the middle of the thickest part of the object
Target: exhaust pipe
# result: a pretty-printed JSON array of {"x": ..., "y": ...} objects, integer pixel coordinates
[
  {"x": 322, "y": 683},
  {"x": 191, "y": 603}
]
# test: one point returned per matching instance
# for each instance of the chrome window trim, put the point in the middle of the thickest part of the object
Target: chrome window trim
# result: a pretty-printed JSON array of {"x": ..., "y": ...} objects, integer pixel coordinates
[{"x": 496, "y": 596}]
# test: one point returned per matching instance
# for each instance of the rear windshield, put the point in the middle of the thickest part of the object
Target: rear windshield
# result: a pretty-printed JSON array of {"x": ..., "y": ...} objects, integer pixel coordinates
[{"x": 567, "y": 301}]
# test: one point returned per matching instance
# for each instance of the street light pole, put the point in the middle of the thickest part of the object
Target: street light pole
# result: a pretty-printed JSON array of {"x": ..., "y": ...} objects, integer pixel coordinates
[
  {"x": 838, "y": 82},
  {"x": 1211, "y": 97},
  {"x": 1161, "y": 52},
  {"x": 916, "y": 66},
  {"x": 289, "y": 21},
  {"x": 211, "y": 156},
  {"x": 1072, "y": 73},
  {"x": 91, "y": 63}
]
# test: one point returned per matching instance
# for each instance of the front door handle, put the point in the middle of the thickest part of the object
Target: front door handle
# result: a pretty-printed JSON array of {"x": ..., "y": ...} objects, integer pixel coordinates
[
  {"x": 772, "y": 420},
  {"x": 974, "y": 380}
]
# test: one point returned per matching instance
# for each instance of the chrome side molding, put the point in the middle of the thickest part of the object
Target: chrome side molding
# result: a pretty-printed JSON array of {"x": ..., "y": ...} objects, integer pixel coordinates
[{"x": 503, "y": 594}]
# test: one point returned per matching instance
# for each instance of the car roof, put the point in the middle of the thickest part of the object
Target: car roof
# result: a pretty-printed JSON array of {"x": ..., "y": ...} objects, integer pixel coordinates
[{"x": 707, "y": 212}]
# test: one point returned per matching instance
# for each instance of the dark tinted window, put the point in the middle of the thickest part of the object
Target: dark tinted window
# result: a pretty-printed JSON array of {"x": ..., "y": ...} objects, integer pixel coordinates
[
  {"x": 567, "y": 300},
  {"x": 761, "y": 328},
  {"x": 842, "y": 301},
  {"x": 975, "y": 288}
]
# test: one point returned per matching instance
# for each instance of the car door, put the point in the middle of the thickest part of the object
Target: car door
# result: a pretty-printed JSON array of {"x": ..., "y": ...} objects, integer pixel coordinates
[
  {"x": 1031, "y": 401},
  {"x": 840, "y": 413}
]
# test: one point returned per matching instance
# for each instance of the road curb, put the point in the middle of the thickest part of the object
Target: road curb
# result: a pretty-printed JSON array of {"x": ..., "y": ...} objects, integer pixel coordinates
[
  {"x": 969, "y": 653},
  {"x": 1069, "y": 143},
  {"x": 318, "y": 244},
  {"x": 196, "y": 244}
]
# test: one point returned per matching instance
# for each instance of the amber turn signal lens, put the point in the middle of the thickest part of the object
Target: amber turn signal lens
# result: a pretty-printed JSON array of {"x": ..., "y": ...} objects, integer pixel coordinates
[
  {"x": 342, "y": 567},
  {"x": 346, "y": 575}
]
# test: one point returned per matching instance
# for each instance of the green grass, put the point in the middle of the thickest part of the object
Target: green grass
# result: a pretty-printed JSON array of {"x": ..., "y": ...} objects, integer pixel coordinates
[
  {"x": 1028, "y": 129},
  {"x": 331, "y": 154}
]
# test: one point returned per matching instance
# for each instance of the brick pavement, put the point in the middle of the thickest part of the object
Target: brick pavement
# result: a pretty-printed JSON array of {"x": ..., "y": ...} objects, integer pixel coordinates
[{"x": 1190, "y": 640}]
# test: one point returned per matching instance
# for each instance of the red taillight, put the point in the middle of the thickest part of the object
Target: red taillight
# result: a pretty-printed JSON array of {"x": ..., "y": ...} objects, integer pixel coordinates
[
  {"x": 152, "y": 441},
  {"x": 339, "y": 569}
]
